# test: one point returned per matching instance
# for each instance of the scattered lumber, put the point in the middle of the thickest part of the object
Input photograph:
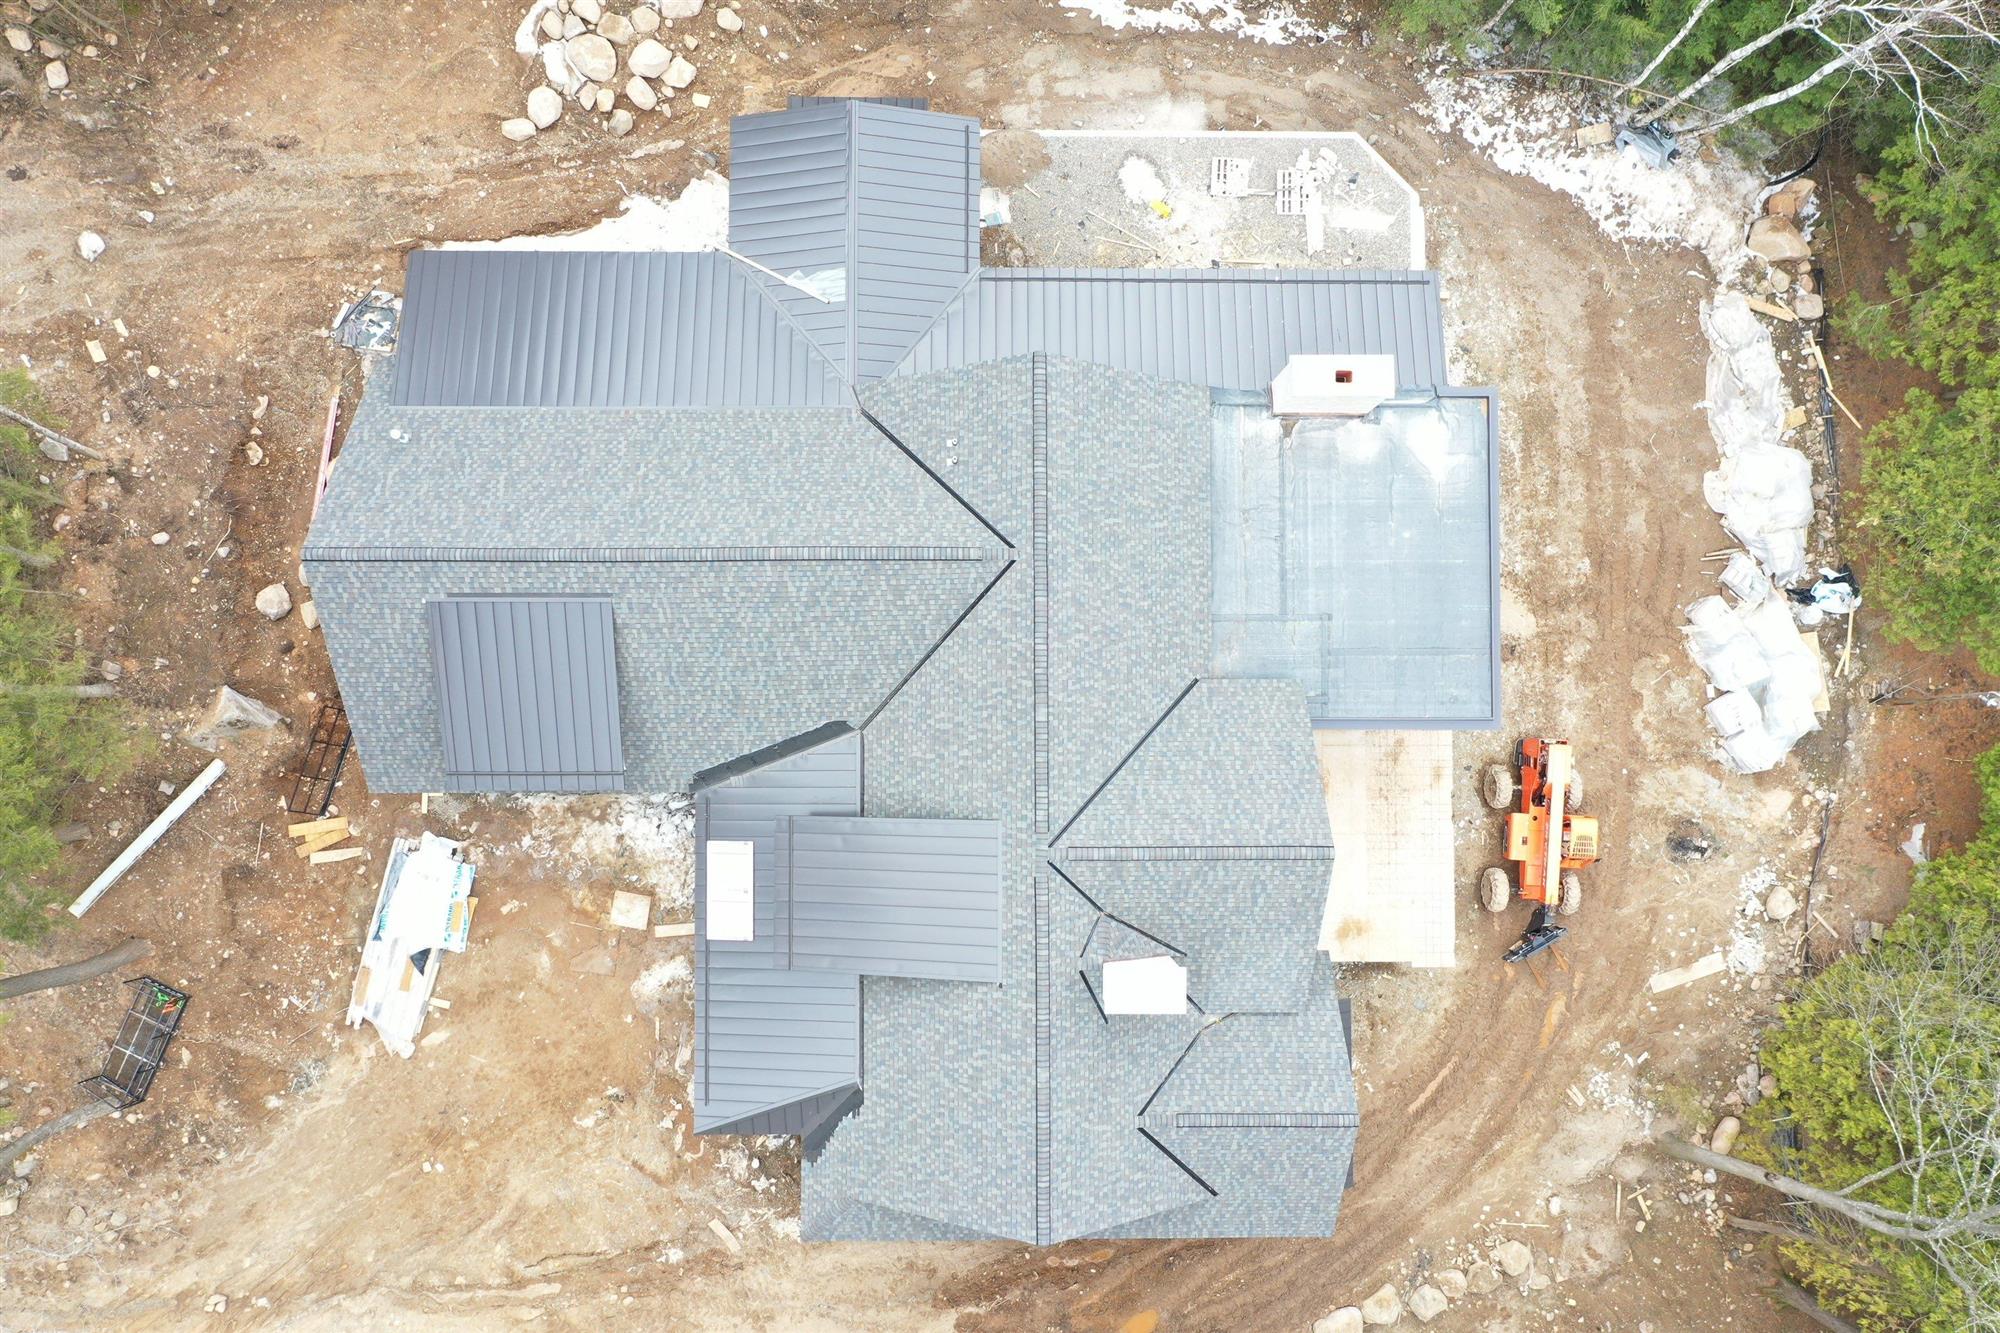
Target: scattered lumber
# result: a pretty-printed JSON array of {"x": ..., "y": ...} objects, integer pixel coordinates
[{"x": 313, "y": 827}]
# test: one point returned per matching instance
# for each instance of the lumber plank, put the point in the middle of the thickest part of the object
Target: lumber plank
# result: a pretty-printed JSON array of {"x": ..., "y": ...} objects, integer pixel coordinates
[
  {"x": 335, "y": 854},
  {"x": 311, "y": 827},
  {"x": 321, "y": 841}
]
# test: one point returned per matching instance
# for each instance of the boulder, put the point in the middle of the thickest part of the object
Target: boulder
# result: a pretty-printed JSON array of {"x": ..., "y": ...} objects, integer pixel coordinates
[
  {"x": 544, "y": 107},
  {"x": 586, "y": 95},
  {"x": 1782, "y": 902},
  {"x": 1347, "y": 1319},
  {"x": 1451, "y": 1282},
  {"x": 1427, "y": 1303},
  {"x": 603, "y": 100},
  {"x": 518, "y": 128},
  {"x": 1789, "y": 199},
  {"x": 679, "y": 74},
  {"x": 1383, "y": 1308},
  {"x": 56, "y": 75},
  {"x": 1724, "y": 1137},
  {"x": 552, "y": 26},
  {"x": 1514, "y": 1258},
  {"x": 587, "y": 10},
  {"x": 309, "y": 615},
  {"x": 677, "y": 9},
  {"x": 649, "y": 60},
  {"x": 1778, "y": 238},
  {"x": 19, "y": 39},
  {"x": 640, "y": 93},
  {"x": 616, "y": 29},
  {"x": 275, "y": 601},
  {"x": 645, "y": 19},
  {"x": 572, "y": 26},
  {"x": 620, "y": 123},
  {"x": 1806, "y": 305},
  {"x": 90, "y": 245},
  {"x": 728, "y": 20},
  {"x": 1482, "y": 1278},
  {"x": 592, "y": 57},
  {"x": 232, "y": 714}
]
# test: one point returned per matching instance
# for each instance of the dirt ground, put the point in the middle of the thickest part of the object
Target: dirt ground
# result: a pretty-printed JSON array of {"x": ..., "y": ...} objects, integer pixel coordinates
[{"x": 532, "y": 1161}]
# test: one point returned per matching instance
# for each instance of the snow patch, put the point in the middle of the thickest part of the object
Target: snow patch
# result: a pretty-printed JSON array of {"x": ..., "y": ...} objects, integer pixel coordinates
[
  {"x": 648, "y": 840},
  {"x": 1692, "y": 202},
  {"x": 698, "y": 219},
  {"x": 1275, "y": 25}
]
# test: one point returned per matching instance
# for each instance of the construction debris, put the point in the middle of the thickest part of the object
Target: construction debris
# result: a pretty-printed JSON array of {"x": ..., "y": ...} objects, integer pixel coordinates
[
  {"x": 1680, "y": 976},
  {"x": 425, "y": 908},
  {"x": 318, "y": 840},
  {"x": 152, "y": 833},
  {"x": 631, "y": 911}
]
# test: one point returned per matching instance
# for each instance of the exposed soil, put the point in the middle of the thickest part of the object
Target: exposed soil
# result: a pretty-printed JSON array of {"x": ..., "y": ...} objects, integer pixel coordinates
[{"x": 280, "y": 1162}]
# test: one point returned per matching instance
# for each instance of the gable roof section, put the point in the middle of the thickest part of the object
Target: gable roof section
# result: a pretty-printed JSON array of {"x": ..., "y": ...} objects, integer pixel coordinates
[
  {"x": 662, "y": 484},
  {"x": 527, "y": 693},
  {"x": 887, "y": 193},
  {"x": 776, "y": 1051},
  {"x": 555, "y": 328},
  {"x": 1223, "y": 328}
]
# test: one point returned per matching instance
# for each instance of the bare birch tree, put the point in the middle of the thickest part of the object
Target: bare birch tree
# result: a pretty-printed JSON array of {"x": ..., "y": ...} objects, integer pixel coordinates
[
  {"x": 1904, "y": 46},
  {"x": 1928, "y": 1032}
]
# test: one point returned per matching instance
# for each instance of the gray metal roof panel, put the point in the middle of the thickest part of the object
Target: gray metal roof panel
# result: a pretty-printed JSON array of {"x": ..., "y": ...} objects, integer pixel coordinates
[
  {"x": 556, "y": 328},
  {"x": 771, "y": 1046},
  {"x": 527, "y": 693},
  {"x": 1224, "y": 328},
  {"x": 754, "y": 807},
  {"x": 893, "y": 897},
  {"x": 887, "y": 192}
]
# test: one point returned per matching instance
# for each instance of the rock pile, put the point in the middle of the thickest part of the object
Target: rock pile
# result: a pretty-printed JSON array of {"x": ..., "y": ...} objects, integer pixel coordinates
[
  {"x": 1778, "y": 237},
  {"x": 21, "y": 22},
  {"x": 612, "y": 63}
]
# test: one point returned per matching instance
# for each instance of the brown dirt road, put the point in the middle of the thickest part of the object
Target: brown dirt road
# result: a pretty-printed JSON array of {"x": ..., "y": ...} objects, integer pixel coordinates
[{"x": 282, "y": 1162}]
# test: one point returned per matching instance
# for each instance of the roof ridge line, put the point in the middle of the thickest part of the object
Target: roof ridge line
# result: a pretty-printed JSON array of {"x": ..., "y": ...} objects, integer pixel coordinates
[
  {"x": 929, "y": 471},
  {"x": 971, "y": 280},
  {"x": 1119, "y": 767},
  {"x": 932, "y": 651},
  {"x": 740, "y": 267}
]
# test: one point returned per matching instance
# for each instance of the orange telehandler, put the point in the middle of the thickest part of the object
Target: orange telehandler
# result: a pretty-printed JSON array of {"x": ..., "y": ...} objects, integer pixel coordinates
[{"x": 1548, "y": 841}]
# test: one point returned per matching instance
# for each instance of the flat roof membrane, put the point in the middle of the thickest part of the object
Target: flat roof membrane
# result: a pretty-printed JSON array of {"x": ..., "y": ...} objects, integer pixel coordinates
[{"x": 1356, "y": 556}]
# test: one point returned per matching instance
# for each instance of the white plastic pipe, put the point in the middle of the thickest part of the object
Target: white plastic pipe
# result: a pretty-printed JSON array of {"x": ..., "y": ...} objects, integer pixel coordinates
[{"x": 137, "y": 847}]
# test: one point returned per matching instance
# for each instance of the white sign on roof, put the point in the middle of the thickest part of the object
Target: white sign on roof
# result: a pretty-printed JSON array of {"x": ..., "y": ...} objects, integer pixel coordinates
[
  {"x": 732, "y": 891},
  {"x": 1145, "y": 986}
]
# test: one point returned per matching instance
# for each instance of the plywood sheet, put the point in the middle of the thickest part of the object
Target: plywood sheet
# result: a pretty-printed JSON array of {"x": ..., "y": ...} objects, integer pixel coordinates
[{"x": 1388, "y": 795}]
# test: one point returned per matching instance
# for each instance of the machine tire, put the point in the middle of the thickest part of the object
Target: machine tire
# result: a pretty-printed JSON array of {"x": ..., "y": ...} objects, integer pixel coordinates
[
  {"x": 1572, "y": 894},
  {"x": 1494, "y": 890},
  {"x": 1496, "y": 785},
  {"x": 1574, "y": 801}
]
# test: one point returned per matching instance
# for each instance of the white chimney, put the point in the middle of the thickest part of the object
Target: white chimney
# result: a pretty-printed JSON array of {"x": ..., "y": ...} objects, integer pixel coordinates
[{"x": 1333, "y": 386}]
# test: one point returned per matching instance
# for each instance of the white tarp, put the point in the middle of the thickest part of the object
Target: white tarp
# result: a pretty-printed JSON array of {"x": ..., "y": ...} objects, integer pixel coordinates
[
  {"x": 1762, "y": 488},
  {"x": 1770, "y": 677}
]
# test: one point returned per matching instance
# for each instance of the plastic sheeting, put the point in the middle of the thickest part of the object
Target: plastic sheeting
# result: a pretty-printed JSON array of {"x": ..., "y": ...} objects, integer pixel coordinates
[
  {"x": 1770, "y": 677},
  {"x": 1762, "y": 489}
]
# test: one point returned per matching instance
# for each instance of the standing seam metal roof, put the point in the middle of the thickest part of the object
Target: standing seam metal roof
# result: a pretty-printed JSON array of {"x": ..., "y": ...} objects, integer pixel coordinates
[
  {"x": 563, "y": 328},
  {"x": 887, "y": 193},
  {"x": 527, "y": 693},
  {"x": 1228, "y": 329}
]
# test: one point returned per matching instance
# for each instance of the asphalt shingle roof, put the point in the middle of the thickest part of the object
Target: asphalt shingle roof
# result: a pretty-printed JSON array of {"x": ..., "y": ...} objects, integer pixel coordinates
[{"x": 993, "y": 560}]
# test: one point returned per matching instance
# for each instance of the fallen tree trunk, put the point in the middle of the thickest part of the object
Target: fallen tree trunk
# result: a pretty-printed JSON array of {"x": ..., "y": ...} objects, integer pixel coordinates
[
  {"x": 23, "y": 419},
  {"x": 1792, "y": 1294},
  {"x": 100, "y": 690},
  {"x": 42, "y": 1133},
  {"x": 68, "y": 974},
  {"x": 1918, "y": 1227}
]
